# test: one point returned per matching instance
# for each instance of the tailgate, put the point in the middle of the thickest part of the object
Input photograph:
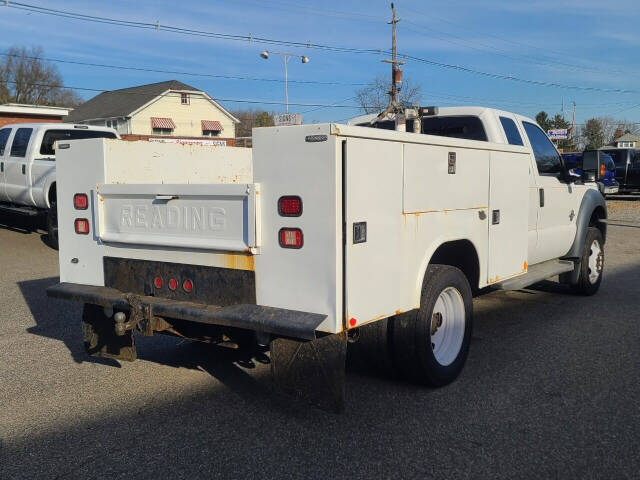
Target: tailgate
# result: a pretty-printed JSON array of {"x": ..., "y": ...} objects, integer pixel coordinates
[{"x": 202, "y": 216}]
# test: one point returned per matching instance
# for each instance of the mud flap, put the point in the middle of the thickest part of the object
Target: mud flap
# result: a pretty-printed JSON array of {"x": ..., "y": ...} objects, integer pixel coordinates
[
  {"x": 100, "y": 339},
  {"x": 313, "y": 371}
]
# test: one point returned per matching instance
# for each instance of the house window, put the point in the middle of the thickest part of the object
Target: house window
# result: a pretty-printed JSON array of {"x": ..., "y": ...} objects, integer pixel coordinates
[
  {"x": 184, "y": 99},
  {"x": 112, "y": 123},
  {"x": 211, "y": 133},
  {"x": 163, "y": 131}
]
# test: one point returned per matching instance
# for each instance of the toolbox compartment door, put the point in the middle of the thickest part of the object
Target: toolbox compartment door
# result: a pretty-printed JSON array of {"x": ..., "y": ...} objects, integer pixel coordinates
[
  {"x": 508, "y": 215},
  {"x": 374, "y": 229},
  {"x": 210, "y": 217}
]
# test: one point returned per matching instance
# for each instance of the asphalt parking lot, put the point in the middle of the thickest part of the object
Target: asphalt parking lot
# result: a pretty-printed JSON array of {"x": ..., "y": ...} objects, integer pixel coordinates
[{"x": 551, "y": 389}]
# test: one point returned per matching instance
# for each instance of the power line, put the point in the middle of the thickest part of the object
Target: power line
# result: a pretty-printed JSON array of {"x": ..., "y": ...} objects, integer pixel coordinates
[
  {"x": 250, "y": 38},
  {"x": 547, "y": 60},
  {"x": 501, "y": 76},
  {"x": 187, "y": 31},
  {"x": 177, "y": 94},
  {"x": 176, "y": 72}
]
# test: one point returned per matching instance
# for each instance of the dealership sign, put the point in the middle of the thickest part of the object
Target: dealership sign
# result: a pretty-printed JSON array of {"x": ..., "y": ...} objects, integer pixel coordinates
[
  {"x": 191, "y": 141},
  {"x": 285, "y": 119},
  {"x": 558, "y": 134}
]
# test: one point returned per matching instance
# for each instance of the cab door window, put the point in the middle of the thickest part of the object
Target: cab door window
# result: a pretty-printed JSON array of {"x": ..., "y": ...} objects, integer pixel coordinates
[
  {"x": 21, "y": 142},
  {"x": 546, "y": 155}
]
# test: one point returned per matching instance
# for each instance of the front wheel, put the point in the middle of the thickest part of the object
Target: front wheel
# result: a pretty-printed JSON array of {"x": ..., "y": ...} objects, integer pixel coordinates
[
  {"x": 52, "y": 225},
  {"x": 591, "y": 263},
  {"x": 432, "y": 344}
]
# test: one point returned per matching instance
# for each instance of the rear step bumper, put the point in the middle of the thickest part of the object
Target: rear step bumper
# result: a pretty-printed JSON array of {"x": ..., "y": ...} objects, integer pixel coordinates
[{"x": 276, "y": 321}]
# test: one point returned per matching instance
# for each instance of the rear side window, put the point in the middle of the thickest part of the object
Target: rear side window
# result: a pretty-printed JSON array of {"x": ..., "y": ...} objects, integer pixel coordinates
[
  {"x": 21, "y": 142},
  {"x": 511, "y": 131},
  {"x": 467, "y": 127},
  {"x": 52, "y": 136},
  {"x": 4, "y": 137}
]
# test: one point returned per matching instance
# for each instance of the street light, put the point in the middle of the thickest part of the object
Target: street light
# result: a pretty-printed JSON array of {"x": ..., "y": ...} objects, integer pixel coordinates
[{"x": 286, "y": 56}]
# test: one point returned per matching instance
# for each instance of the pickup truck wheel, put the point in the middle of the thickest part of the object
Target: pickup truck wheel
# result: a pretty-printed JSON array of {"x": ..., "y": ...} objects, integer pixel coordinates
[
  {"x": 52, "y": 225},
  {"x": 432, "y": 344},
  {"x": 591, "y": 264}
]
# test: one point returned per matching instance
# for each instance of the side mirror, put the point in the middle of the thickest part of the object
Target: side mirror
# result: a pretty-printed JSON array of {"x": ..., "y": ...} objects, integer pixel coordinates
[
  {"x": 573, "y": 175},
  {"x": 589, "y": 176}
]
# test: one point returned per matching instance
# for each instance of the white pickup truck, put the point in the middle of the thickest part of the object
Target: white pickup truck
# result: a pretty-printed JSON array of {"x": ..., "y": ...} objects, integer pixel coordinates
[
  {"x": 323, "y": 234},
  {"x": 27, "y": 167}
]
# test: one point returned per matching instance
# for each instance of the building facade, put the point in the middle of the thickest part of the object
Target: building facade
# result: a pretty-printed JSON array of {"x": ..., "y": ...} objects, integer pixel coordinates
[
  {"x": 167, "y": 111},
  {"x": 628, "y": 140},
  {"x": 19, "y": 113}
]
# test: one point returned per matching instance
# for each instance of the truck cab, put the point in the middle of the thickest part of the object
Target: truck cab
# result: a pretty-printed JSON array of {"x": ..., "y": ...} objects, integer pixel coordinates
[{"x": 627, "y": 161}]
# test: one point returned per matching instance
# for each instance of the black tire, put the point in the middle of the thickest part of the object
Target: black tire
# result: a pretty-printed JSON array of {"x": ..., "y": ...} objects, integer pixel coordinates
[
  {"x": 52, "y": 225},
  {"x": 414, "y": 355},
  {"x": 586, "y": 285},
  {"x": 374, "y": 346}
]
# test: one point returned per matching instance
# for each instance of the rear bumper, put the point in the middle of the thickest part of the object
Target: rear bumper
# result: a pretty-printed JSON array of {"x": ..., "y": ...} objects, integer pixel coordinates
[{"x": 276, "y": 321}]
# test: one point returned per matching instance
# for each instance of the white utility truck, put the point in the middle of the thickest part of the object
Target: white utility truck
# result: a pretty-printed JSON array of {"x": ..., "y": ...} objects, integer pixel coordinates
[
  {"x": 28, "y": 169},
  {"x": 323, "y": 234}
]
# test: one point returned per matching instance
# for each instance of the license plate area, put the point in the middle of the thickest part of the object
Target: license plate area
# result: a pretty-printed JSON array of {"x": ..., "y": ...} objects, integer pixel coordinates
[{"x": 211, "y": 285}]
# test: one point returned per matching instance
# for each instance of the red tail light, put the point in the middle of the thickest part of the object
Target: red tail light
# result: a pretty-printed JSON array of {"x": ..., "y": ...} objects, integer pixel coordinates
[
  {"x": 157, "y": 282},
  {"x": 80, "y": 201},
  {"x": 187, "y": 285},
  {"x": 173, "y": 284},
  {"x": 290, "y": 206},
  {"x": 291, "y": 238},
  {"x": 82, "y": 226}
]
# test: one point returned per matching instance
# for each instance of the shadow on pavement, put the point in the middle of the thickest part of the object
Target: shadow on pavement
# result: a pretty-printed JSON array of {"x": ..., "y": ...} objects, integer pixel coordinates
[{"x": 547, "y": 392}]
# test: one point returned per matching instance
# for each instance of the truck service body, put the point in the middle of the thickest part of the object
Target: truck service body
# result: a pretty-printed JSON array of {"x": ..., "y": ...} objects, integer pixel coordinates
[{"x": 319, "y": 231}]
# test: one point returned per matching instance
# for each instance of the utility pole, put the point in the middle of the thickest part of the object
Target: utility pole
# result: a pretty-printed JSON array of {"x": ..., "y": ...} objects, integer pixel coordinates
[
  {"x": 573, "y": 124},
  {"x": 394, "y": 86},
  {"x": 396, "y": 73}
]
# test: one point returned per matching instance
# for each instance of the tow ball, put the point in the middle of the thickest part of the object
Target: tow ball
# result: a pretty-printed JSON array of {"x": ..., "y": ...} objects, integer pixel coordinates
[{"x": 140, "y": 316}]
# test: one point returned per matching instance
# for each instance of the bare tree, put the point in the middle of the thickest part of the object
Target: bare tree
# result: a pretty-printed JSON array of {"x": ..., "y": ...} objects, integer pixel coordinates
[
  {"x": 250, "y": 119},
  {"x": 374, "y": 97},
  {"x": 27, "y": 78}
]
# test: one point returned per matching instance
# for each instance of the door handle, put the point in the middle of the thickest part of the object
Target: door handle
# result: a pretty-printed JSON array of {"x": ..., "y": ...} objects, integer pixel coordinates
[
  {"x": 24, "y": 169},
  {"x": 165, "y": 198},
  {"x": 541, "y": 197}
]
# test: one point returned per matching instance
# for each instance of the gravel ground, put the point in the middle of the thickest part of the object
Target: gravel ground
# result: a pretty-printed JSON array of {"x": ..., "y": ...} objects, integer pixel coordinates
[{"x": 550, "y": 389}]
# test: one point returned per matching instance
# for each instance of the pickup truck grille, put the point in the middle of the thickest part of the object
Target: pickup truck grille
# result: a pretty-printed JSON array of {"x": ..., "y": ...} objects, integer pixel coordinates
[{"x": 211, "y": 285}]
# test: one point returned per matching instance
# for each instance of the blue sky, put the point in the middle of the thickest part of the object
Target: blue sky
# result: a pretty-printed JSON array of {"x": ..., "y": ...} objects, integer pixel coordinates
[{"x": 574, "y": 42}]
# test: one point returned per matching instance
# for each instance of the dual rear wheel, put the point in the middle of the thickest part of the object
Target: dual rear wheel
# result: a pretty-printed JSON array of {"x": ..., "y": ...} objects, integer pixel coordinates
[{"x": 429, "y": 345}]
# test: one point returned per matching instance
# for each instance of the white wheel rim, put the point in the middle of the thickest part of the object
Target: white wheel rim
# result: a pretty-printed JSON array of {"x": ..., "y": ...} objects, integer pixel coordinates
[
  {"x": 596, "y": 257},
  {"x": 447, "y": 326}
]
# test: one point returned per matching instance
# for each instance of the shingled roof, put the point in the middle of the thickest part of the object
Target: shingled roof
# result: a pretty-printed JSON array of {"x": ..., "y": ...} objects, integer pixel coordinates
[
  {"x": 123, "y": 102},
  {"x": 628, "y": 137}
]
